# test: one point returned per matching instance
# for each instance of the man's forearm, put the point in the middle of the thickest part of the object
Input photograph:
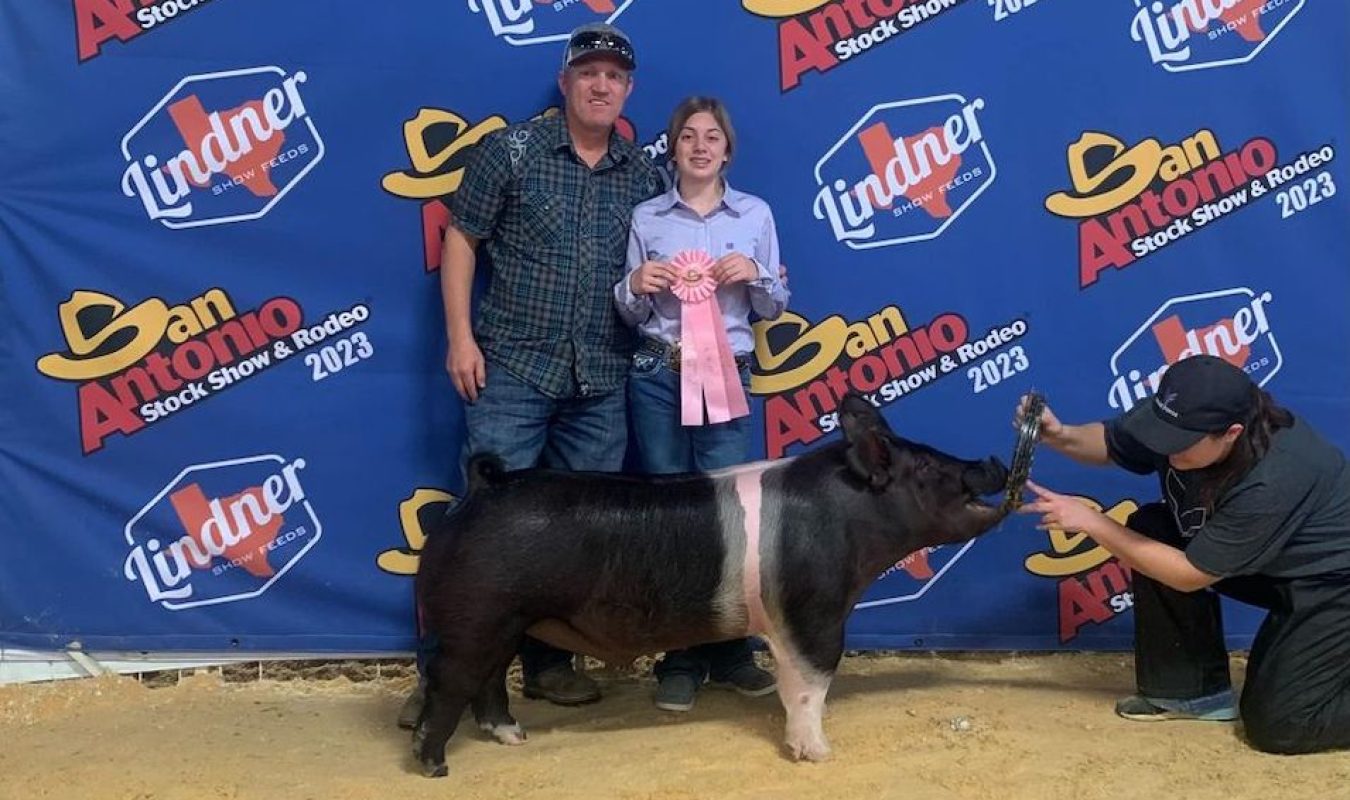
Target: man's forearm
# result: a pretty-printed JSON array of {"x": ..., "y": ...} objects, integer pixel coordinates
[{"x": 458, "y": 262}]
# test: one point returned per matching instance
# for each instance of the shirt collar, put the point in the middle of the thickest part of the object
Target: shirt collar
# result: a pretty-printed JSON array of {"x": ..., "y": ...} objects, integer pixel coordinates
[
  {"x": 620, "y": 149},
  {"x": 733, "y": 201}
]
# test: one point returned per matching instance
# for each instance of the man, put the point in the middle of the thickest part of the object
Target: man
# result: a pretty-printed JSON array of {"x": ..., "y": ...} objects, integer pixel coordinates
[
  {"x": 543, "y": 367},
  {"x": 1256, "y": 507}
]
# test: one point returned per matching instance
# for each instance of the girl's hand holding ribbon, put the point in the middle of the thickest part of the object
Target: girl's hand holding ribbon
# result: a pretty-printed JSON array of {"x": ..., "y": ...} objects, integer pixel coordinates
[
  {"x": 734, "y": 268},
  {"x": 652, "y": 277}
]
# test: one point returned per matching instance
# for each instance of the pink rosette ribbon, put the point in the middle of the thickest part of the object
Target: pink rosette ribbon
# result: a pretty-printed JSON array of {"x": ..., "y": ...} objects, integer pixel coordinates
[{"x": 707, "y": 366}]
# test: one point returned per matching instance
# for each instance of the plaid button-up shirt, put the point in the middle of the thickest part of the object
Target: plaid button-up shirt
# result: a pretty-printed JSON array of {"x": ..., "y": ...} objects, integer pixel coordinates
[{"x": 555, "y": 231}]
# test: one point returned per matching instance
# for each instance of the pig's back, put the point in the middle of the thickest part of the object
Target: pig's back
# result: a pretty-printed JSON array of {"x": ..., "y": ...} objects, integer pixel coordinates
[{"x": 568, "y": 540}]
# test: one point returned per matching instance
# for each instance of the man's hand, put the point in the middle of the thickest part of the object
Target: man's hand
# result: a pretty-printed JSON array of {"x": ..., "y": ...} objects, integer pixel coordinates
[
  {"x": 652, "y": 277},
  {"x": 734, "y": 268},
  {"x": 467, "y": 369}
]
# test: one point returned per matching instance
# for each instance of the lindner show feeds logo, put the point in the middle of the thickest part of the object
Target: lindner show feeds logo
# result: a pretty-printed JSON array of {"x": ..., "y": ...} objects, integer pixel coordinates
[
  {"x": 912, "y": 576},
  {"x": 904, "y": 172},
  {"x": 1132, "y": 201},
  {"x": 98, "y": 21},
  {"x": 221, "y": 532},
  {"x": 440, "y": 144},
  {"x": 221, "y": 147},
  {"x": 524, "y": 22},
  {"x": 138, "y": 366},
  {"x": 1183, "y": 35},
  {"x": 819, "y": 35},
  {"x": 805, "y": 368},
  {"x": 1094, "y": 587},
  {"x": 1231, "y": 324}
]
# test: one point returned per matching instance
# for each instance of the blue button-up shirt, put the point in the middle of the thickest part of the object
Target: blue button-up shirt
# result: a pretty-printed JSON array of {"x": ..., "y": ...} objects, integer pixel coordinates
[{"x": 740, "y": 223}]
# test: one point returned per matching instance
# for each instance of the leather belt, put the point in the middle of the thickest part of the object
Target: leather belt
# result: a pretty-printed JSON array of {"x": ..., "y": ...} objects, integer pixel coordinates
[{"x": 670, "y": 354}]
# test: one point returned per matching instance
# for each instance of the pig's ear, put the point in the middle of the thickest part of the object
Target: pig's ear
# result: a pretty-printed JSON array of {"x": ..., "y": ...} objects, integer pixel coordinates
[{"x": 869, "y": 453}]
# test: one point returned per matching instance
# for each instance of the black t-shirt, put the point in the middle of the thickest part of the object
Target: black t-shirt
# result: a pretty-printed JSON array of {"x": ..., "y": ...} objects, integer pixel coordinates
[{"x": 1289, "y": 517}]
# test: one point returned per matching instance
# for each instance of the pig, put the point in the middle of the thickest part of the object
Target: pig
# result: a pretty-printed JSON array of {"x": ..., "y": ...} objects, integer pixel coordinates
[{"x": 617, "y": 566}]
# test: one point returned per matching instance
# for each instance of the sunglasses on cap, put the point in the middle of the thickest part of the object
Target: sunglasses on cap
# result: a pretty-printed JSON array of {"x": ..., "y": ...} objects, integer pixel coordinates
[{"x": 587, "y": 42}]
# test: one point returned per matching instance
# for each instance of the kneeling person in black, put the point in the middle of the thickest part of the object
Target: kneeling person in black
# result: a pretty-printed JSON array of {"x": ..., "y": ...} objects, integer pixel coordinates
[{"x": 1256, "y": 506}]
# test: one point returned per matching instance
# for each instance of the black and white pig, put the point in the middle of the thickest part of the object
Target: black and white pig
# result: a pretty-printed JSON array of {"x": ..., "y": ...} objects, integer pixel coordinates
[{"x": 618, "y": 566}]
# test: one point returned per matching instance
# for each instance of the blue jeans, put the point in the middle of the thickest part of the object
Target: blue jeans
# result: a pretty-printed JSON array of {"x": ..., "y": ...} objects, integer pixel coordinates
[
  {"x": 665, "y": 446},
  {"x": 526, "y": 428}
]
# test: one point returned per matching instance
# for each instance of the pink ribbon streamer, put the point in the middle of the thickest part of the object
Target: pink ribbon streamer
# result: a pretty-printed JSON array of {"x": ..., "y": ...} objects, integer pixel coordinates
[{"x": 708, "y": 372}]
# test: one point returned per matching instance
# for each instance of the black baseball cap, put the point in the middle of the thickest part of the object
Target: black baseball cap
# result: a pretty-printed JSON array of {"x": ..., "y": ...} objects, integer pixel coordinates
[
  {"x": 599, "y": 37},
  {"x": 1197, "y": 396}
]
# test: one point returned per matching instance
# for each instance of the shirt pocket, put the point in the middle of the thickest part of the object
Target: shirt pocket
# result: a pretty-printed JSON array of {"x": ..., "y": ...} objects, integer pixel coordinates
[
  {"x": 612, "y": 232},
  {"x": 545, "y": 220},
  {"x": 737, "y": 242}
]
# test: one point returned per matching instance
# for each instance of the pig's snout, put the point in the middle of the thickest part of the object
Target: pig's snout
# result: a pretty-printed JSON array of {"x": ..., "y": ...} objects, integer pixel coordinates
[{"x": 988, "y": 477}]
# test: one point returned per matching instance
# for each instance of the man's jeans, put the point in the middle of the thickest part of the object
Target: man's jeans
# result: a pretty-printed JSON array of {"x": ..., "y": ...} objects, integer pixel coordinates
[
  {"x": 665, "y": 446},
  {"x": 525, "y": 428}
]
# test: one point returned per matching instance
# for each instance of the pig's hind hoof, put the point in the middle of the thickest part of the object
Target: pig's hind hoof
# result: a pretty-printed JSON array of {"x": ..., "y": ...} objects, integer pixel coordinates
[{"x": 506, "y": 733}]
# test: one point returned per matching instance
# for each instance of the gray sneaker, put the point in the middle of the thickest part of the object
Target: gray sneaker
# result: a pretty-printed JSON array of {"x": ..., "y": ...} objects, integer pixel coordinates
[
  {"x": 1140, "y": 709},
  {"x": 676, "y": 692},
  {"x": 748, "y": 680}
]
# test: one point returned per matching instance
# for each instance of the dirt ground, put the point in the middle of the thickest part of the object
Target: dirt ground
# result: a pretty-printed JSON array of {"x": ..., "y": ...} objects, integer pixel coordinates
[{"x": 907, "y": 726}]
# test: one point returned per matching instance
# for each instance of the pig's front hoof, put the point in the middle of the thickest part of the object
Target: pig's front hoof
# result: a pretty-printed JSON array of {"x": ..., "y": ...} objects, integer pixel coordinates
[
  {"x": 433, "y": 766},
  {"x": 506, "y": 733},
  {"x": 810, "y": 749},
  {"x": 431, "y": 769}
]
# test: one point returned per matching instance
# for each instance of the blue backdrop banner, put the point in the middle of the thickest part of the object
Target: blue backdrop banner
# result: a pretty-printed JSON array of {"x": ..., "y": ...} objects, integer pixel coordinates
[{"x": 227, "y": 422}]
